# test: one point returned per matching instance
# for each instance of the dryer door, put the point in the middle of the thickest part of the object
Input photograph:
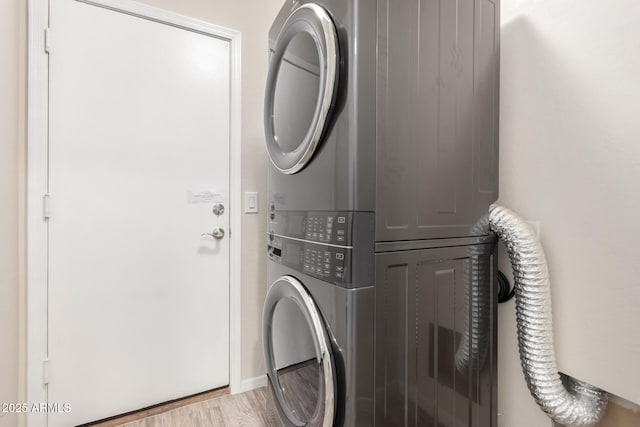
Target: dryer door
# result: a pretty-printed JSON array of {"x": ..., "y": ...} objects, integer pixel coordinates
[
  {"x": 301, "y": 87},
  {"x": 298, "y": 355}
]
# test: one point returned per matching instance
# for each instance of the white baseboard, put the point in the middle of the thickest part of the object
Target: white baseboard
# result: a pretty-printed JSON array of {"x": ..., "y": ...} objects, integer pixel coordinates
[{"x": 253, "y": 383}]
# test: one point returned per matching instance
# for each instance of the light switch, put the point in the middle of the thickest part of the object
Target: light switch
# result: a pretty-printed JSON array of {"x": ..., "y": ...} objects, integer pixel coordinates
[{"x": 250, "y": 202}]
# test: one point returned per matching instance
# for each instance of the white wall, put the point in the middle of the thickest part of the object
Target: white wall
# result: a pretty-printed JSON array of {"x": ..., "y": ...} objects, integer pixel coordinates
[{"x": 570, "y": 158}]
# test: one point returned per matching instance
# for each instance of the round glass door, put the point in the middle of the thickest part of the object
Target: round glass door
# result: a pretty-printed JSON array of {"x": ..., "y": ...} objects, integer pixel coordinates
[
  {"x": 298, "y": 356},
  {"x": 301, "y": 87}
]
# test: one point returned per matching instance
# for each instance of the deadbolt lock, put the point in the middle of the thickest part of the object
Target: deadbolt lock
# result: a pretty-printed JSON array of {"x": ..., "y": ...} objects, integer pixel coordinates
[{"x": 218, "y": 209}]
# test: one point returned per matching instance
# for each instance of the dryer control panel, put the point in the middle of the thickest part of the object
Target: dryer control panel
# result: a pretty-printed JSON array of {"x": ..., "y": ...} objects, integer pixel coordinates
[
  {"x": 333, "y": 246},
  {"x": 335, "y": 228}
]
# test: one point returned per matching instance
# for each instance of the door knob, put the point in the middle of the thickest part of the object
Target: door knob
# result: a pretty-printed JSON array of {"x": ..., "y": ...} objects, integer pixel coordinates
[{"x": 217, "y": 233}]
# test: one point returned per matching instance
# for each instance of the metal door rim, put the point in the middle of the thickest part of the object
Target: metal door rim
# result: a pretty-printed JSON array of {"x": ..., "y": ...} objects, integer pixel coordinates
[
  {"x": 288, "y": 287},
  {"x": 314, "y": 20}
]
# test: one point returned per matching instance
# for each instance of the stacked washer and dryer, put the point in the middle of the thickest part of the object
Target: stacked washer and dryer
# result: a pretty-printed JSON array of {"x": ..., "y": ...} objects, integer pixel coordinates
[{"x": 381, "y": 122}]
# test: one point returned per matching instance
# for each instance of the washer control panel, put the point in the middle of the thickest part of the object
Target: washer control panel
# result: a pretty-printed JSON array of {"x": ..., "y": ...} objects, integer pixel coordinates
[
  {"x": 328, "y": 263},
  {"x": 325, "y": 262}
]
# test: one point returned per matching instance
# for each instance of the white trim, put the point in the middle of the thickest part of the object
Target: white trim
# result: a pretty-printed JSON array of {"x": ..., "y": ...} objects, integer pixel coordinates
[
  {"x": 145, "y": 11},
  {"x": 37, "y": 186},
  {"x": 253, "y": 383},
  {"x": 627, "y": 404},
  {"x": 235, "y": 224}
]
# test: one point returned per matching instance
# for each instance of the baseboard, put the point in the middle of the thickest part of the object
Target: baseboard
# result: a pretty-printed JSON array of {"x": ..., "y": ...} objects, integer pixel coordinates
[{"x": 253, "y": 383}]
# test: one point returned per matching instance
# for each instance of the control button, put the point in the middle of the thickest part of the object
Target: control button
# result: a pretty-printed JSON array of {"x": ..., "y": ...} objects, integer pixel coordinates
[
  {"x": 339, "y": 275},
  {"x": 306, "y": 266},
  {"x": 339, "y": 255},
  {"x": 340, "y": 238},
  {"x": 321, "y": 236},
  {"x": 342, "y": 220},
  {"x": 319, "y": 270},
  {"x": 327, "y": 272},
  {"x": 339, "y": 268},
  {"x": 340, "y": 232},
  {"x": 326, "y": 265},
  {"x": 329, "y": 220}
]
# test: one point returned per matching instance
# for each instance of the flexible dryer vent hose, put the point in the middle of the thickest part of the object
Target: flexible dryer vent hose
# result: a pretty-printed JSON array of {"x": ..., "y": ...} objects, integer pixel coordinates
[{"x": 565, "y": 400}]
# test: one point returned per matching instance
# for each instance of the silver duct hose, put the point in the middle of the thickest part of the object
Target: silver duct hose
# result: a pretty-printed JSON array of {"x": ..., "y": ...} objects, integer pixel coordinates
[
  {"x": 474, "y": 345},
  {"x": 565, "y": 400}
]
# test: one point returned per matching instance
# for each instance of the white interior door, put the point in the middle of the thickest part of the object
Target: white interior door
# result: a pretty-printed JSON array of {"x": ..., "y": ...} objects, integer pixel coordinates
[{"x": 139, "y": 152}]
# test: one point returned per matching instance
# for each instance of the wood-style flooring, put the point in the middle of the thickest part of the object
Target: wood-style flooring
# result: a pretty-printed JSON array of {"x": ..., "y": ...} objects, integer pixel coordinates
[{"x": 248, "y": 409}]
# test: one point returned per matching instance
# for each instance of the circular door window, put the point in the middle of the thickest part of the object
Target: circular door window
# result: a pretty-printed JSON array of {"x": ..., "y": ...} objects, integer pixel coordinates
[
  {"x": 301, "y": 86},
  {"x": 298, "y": 356}
]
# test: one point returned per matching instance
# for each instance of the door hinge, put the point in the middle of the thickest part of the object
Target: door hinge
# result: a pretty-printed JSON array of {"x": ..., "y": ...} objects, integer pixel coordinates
[
  {"x": 47, "y": 40},
  {"x": 45, "y": 371},
  {"x": 46, "y": 206}
]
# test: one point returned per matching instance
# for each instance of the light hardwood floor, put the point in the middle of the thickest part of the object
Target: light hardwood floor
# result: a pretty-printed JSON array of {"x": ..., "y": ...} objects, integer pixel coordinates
[{"x": 248, "y": 409}]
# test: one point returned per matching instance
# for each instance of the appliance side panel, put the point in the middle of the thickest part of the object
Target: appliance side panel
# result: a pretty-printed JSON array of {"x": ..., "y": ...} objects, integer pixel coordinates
[
  {"x": 395, "y": 152},
  {"x": 392, "y": 333},
  {"x": 484, "y": 383},
  {"x": 486, "y": 108},
  {"x": 432, "y": 367},
  {"x": 445, "y": 106},
  {"x": 436, "y": 117},
  {"x": 362, "y": 105},
  {"x": 360, "y": 349},
  {"x": 426, "y": 398}
]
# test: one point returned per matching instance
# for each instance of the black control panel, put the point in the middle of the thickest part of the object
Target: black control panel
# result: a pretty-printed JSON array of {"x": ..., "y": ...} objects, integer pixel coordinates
[
  {"x": 328, "y": 263},
  {"x": 323, "y": 227},
  {"x": 336, "y": 247},
  {"x": 325, "y": 262},
  {"x": 327, "y": 228}
]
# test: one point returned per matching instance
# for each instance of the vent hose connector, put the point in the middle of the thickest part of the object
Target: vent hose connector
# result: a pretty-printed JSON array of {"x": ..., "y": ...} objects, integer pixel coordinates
[{"x": 565, "y": 400}]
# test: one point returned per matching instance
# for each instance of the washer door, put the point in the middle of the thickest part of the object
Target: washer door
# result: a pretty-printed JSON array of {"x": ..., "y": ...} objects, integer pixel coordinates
[
  {"x": 301, "y": 87},
  {"x": 298, "y": 356}
]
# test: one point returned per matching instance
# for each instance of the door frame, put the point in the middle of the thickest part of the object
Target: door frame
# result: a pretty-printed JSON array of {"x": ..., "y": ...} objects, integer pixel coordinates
[{"x": 37, "y": 186}]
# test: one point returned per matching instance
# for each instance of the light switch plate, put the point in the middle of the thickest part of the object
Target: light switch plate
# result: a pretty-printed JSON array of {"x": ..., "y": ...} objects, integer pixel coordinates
[{"x": 250, "y": 202}]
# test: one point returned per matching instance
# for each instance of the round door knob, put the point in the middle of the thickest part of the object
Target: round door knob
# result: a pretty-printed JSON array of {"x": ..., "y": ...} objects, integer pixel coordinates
[{"x": 217, "y": 233}]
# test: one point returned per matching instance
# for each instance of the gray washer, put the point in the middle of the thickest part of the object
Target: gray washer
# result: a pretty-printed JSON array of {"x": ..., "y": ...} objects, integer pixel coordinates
[{"x": 318, "y": 343}]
